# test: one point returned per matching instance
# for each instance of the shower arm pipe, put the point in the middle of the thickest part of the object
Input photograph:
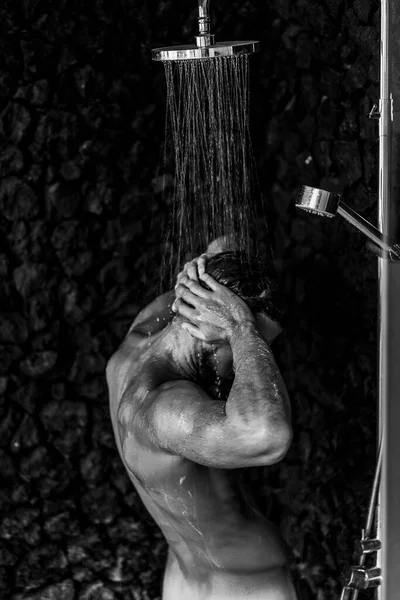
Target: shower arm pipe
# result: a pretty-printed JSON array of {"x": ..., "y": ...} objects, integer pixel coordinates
[
  {"x": 204, "y": 16},
  {"x": 205, "y": 37},
  {"x": 364, "y": 226}
]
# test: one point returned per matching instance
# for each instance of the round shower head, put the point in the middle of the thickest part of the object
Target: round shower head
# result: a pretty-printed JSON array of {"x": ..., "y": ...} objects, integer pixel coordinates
[
  {"x": 194, "y": 52},
  {"x": 317, "y": 201},
  {"x": 205, "y": 46}
]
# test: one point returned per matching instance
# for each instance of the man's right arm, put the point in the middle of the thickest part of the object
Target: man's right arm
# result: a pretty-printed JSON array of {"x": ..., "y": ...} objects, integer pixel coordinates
[
  {"x": 181, "y": 419},
  {"x": 258, "y": 397},
  {"x": 251, "y": 429}
]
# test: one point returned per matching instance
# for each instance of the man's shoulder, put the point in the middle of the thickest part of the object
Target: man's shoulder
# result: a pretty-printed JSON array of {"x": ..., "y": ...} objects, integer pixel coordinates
[
  {"x": 146, "y": 319},
  {"x": 140, "y": 409},
  {"x": 126, "y": 355},
  {"x": 149, "y": 390}
]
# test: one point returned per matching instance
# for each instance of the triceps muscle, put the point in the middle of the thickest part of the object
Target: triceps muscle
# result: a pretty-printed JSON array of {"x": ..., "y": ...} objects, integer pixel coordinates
[{"x": 258, "y": 397}]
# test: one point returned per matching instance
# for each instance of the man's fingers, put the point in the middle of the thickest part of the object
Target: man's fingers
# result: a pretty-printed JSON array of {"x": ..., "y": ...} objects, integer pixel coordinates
[
  {"x": 194, "y": 268},
  {"x": 185, "y": 280},
  {"x": 201, "y": 264},
  {"x": 194, "y": 331},
  {"x": 210, "y": 281},
  {"x": 192, "y": 271},
  {"x": 179, "y": 278},
  {"x": 188, "y": 271},
  {"x": 181, "y": 307},
  {"x": 188, "y": 296},
  {"x": 196, "y": 288},
  {"x": 193, "y": 286}
]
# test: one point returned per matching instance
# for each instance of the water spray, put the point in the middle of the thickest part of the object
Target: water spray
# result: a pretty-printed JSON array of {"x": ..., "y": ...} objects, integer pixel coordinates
[
  {"x": 208, "y": 145},
  {"x": 205, "y": 46}
]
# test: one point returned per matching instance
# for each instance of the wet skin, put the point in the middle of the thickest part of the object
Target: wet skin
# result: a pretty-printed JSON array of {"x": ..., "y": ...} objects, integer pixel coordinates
[{"x": 191, "y": 479}]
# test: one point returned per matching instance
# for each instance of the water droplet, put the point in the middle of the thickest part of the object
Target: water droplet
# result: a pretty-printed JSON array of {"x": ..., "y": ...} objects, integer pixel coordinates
[{"x": 217, "y": 376}]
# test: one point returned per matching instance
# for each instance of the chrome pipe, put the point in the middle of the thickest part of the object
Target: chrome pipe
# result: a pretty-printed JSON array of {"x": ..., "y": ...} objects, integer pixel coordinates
[
  {"x": 328, "y": 204},
  {"x": 369, "y": 543},
  {"x": 204, "y": 16},
  {"x": 374, "y": 497},
  {"x": 383, "y": 202},
  {"x": 389, "y": 276},
  {"x": 205, "y": 37},
  {"x": 358, "y": 577},
  {"x": 364, "y": 227}
]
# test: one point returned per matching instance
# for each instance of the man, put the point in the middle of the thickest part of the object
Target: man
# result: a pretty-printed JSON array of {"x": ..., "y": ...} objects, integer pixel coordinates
[{"x": 195, "y": 396}]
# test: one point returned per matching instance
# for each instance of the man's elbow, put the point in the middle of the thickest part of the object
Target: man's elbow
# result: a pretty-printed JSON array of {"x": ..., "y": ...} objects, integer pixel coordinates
[{"x": 276, "y": 444}]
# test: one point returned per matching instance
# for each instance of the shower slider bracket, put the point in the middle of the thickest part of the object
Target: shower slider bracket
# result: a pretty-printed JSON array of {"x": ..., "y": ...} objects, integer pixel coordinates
[
  {"x": 367, "y": 546},
  {"x": 374, "y": 113},
  {"x": 361, "y": 578}
]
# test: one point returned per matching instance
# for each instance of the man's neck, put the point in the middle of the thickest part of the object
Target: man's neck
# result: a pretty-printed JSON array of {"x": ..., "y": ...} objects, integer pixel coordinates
[{"x": 182, "y": 349}]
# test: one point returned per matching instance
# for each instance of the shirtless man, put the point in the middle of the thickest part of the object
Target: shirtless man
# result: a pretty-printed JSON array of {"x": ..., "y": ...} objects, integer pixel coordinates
[{"x": 195, "y": 396}]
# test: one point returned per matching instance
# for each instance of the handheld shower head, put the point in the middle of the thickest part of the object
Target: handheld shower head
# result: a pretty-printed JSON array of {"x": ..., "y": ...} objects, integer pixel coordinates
[
  {"x": 329, "y": 204},
  {"x": 319, "y": 202},
  {"x": 205, "y": 46}
]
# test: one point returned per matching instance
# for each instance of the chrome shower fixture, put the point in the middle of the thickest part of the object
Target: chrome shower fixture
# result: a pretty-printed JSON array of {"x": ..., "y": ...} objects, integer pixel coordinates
[
  {"x": 205, "y": 46},
  {"x": 328, "y": 204}
]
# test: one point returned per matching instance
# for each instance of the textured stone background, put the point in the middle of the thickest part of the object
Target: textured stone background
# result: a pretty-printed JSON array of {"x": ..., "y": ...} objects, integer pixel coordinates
[{"x": 81, "y": 124}]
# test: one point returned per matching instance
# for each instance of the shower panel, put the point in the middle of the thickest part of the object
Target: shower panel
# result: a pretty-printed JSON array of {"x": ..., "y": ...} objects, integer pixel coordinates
[{"x": 385, "y": 540}]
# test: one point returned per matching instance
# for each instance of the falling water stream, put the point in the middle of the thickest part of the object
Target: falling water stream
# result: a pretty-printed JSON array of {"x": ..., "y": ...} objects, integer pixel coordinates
[
  {"x": 207, "y": 136},
  {"x": 217, "y": 375}
]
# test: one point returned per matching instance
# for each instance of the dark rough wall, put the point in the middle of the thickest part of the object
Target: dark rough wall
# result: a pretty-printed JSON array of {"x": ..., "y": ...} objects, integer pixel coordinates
[{"x": 82, "y": 111}]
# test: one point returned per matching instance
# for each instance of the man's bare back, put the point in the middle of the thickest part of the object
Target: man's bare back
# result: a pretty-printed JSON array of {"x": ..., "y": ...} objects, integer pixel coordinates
[{"x": 220, "y": 546}]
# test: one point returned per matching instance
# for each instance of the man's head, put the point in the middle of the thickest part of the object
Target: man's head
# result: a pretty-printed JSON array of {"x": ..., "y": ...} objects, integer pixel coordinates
[{"x": 253, "y": 280}]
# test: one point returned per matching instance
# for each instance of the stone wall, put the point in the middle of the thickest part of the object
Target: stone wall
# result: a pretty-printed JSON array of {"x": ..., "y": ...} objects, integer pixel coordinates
[{"x": 82, "y": 111}]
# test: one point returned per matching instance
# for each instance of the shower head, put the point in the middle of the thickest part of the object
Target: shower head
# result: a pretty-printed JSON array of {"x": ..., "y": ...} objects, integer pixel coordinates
[
  {"x": 205, "y": 46},
  {"x": 329, "y": 204},
  {"x": 319, "y": 202},
  {"x": 193, "y": 52}
]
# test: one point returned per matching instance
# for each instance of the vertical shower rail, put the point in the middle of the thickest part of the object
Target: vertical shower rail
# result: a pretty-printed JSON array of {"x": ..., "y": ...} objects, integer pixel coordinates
[{"x": 388, "y": 513}]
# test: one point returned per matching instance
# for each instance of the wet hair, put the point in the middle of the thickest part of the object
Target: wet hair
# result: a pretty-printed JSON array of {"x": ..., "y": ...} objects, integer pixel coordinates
[{"x": 254, "y": 280}]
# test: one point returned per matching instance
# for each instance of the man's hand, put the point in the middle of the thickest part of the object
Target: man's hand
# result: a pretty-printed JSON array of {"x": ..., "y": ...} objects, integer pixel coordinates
[
  {"x": 193, "y": 269},
  {"x": 197, "y": 266},
  {"x": 213, "y": 315}
]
